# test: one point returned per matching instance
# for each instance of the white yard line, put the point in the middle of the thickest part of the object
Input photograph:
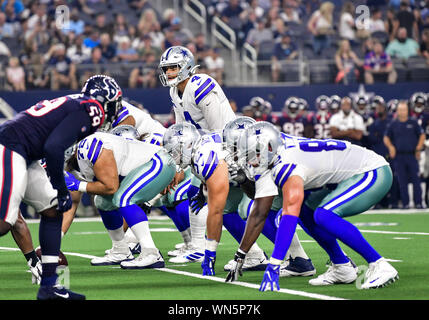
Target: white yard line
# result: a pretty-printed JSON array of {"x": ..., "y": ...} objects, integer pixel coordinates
[{"x": 211, "y": 278}]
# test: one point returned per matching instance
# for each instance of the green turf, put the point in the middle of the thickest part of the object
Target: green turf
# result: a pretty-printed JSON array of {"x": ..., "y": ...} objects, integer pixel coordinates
[{"x": 112, "y": 283}]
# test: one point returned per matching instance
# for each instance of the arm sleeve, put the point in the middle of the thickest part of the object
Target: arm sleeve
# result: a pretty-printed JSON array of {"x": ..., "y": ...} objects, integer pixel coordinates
[{"x": 71, "y": 129}]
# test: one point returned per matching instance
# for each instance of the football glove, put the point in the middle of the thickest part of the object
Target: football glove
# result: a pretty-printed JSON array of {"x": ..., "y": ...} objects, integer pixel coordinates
[
  {"x": 198, "y": 201},
  {"x": 237, "y": 266},
  {"x": 64, "y": 202},
  {"x": 71, "y": 182},
  {"x": 36, "y": 271},
  {"x": 208, "y": 263},
  {"x": 271, "y": 278}
]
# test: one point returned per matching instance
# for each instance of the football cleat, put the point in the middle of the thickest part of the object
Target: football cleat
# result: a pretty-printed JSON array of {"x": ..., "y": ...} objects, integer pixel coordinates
[
  {"x": 379, "y": 274},
  {"x": 336, "y": 274},
  {"x": 180, "y": 251},
  {"x": 254, "y": 261},
  {"x": 298, "y": 267},
  {"x": 149, "y": 258},
  {"x": 58, "y": 292},
  {"x": 114, "y": 256},
  {"x": 193, "y": 255}
]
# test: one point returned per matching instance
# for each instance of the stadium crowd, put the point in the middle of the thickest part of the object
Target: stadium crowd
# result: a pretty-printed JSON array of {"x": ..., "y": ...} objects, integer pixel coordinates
[{"x": 124, "y": 38}]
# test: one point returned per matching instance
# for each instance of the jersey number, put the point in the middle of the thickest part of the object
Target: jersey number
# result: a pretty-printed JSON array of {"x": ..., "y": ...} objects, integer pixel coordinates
[
  {"x": 321, "y": 145},
  {"x": 45, "y": 106}
]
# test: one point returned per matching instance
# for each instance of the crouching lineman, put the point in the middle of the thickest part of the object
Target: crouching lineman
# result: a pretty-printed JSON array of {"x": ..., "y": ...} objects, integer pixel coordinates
[
  {"x": 360, "y": 179},
  {"x": 44, "y": 131},
  {"x": 123, "y": 173}
]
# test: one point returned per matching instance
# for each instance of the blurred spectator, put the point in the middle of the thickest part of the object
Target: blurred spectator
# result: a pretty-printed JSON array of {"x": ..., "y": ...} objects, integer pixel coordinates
[
  {"x": 255, "y": 6},
  {"x": 259, "y": 34},
  {"x": 376, "y": 23},
  {"x": 125, "y": 52},
  {"x": 63, "y": 70},
  {"x": 347, "y": 64},
  {"x": 390, "y": 23},
  {"x": 290, "y": 14},
  {"x": 108, "y": 49},
  {"x": 201, "y": 47},
  {"x": 11, "y": 11},
  {"x": 379, "y": 66},
  {"x": 140, "y": 5},
  {"x": 16, "y": 5},
  {"x": 4, "y": 50},
  {"x": 321, "y": 27},
  {"x": 402, "y": 47},
  {"x": 145, "y": 75},
  {"x": 405, "y": 19},
  {"x": 346, "y": 124},
  {"x": 93, "y": 40},
  {"x": 278, "y": 28},
  {"x": 76, "y": 24},
  {"x": 101, "y": 24},
  {"x": 37, "y": 74},
  {"x": 169, "y": 40},
  {"x": 147, "y": 21},
  {"x": 231, "y": 15},
  {"x": 78, "y": 52},
  {"x": 347, "y": 26},
  {"x": 120, "y": 28},
  {"x": 7, "y": 29},
  {"x": 168, "y": 15},
  {"x": 30, "y": 53},
  {"x": 181, "y": 34},
  {"x": 404, "y": 139},
  {"x": 215, "y": 65},
  {"x": 285, "y": 50},
  {"x": 15, "y": 75},
  {"x": 94, "y": 65},
  {"x": 145, "y": 47},
  {"x": 424, "y": 45},
  {"x": 40, "y": 16}
]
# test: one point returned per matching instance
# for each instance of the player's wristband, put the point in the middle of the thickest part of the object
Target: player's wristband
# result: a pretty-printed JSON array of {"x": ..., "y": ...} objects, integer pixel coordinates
[{"x": 82, "y": 186}]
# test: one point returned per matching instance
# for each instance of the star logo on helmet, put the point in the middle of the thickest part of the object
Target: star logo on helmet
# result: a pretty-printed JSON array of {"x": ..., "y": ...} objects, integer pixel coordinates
[
  {"x": 240, "y": 126},
  {"x": 184, "y": 53},
  {"x": 179, "y": 133},
  {"x": 258, "y": 131}
]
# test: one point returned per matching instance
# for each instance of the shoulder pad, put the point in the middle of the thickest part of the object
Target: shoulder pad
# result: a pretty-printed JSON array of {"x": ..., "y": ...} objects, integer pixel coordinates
[
  {"x": 89, "y": 149},
  {"x": 202, "y": 85},
  {"x": 281, "y": 171},
  {"x": 205, "y": 163}
]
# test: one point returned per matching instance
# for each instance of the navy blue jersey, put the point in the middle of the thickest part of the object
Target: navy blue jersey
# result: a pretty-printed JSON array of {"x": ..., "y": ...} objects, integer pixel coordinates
[
  {"x": 293, "y": 126},
  {"x": 376, "y": 134},
  {"x": 320, "y": 121},
  {"x": 423, "y": 121},
  {"x": 49, "y": 127}
]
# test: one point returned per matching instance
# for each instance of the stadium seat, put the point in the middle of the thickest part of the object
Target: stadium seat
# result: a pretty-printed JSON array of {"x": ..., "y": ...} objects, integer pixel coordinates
[
  {"x": 266, "y": 50},
  {"x": 320, "y": 71}
]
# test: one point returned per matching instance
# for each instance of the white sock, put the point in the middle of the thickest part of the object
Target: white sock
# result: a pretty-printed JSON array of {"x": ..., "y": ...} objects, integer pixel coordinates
[
  {"x": 295, "y": 249},
  {"x": 142, "y": 233},
  {"x": 198, "y": 227},
  {"x": 116, "y": 235},
  {"x": 186, "y": 235}
]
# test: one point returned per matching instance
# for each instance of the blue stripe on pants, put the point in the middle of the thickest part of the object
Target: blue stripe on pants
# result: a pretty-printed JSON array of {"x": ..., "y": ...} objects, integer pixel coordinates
[{"x": 7, "y": 183}]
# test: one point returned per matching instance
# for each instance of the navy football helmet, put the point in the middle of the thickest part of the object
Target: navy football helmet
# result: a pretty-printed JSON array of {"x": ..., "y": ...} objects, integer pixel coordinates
[
  {"x": 418, "y": 102},
  {"x": 105, "y": 90}
]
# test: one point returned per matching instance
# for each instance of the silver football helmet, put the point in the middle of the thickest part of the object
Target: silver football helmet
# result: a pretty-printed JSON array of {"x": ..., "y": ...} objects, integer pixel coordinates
[
  {"x": 69, "y": 152},
  {"x": 257, "y": 148},
  {"x": 176, "y": 56},
  {"x": 178, "y": 140},
  {"x": 126, "y": 131},
  {"x": 232, "y": 131}
]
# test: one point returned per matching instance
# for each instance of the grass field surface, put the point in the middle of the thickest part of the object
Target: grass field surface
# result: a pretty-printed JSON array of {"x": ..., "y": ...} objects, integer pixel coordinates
[{"x": 402, "y": 237}]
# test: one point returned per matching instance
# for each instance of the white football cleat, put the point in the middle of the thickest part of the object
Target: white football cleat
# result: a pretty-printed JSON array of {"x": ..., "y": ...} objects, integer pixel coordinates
[
  {"x": 179, "y": 245},
  {"x": 149, "y": 258},
  {"x": 113, "y": 256},
  {"x": 379, "y": 274},
  {"x": 180, "y": 251},
  {"x": 336, "y": 274},
  {"x": 191, "y": 255}
]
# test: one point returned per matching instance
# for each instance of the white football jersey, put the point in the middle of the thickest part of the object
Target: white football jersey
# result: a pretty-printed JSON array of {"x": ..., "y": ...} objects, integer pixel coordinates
[
  {"x": 129, "y": 153},
  {"x": 203, "y": 104},
  {"x": 145, "y": 124},
  {"x": 318, "y": 163}
]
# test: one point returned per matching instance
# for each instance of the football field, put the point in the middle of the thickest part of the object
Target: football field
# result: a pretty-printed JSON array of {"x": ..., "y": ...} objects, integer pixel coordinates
[{"x": 400, "y": 236}]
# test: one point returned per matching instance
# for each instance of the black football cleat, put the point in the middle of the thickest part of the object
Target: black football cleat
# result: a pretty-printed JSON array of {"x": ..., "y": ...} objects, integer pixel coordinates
[{"x": 58, "y": 292}]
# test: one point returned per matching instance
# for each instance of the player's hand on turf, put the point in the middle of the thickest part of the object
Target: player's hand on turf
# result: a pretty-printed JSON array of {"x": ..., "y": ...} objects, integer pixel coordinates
[
  {"x": 237, "y": 266},
  {"x": 198, "y": 201},
  {"x": 71, "y": 182},
  {"x": 271, "y": 278},
  {"x": 64, "y": 202},
  {"x": 209, "y": 262}
]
